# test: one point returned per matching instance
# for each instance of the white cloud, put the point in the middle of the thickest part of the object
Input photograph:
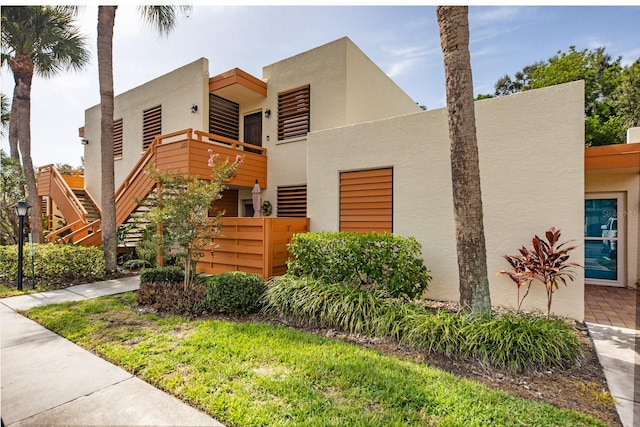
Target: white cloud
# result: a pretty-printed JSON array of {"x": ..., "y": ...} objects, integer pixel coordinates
[
  {"x": 399, "y": 67},
  {"x": 491, "y": 16},
  {"x": 630, "y": 56},
  {"x": 401, "y": 59}
]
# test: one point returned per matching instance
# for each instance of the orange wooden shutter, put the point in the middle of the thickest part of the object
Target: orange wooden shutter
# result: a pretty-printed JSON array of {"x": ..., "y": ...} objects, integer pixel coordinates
[{"x": 366, "y": 200}]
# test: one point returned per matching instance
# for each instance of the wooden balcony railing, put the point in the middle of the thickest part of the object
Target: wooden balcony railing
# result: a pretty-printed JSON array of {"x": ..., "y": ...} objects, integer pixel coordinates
[
  {"x": 188, "y": 151},
  {"x": 74, "y": 178}
]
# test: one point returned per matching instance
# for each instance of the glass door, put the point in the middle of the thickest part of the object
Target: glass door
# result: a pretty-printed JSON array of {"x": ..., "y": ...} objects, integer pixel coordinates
[{"x": 603, "y": 241}]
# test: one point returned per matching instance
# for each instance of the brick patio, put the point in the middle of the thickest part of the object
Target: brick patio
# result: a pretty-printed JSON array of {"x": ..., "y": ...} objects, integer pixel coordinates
[{"x": 607, "y": 305}]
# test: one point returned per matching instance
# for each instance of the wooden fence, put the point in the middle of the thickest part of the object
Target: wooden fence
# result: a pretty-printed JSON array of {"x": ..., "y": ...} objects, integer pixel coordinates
[{"x": 252, "y": 245}]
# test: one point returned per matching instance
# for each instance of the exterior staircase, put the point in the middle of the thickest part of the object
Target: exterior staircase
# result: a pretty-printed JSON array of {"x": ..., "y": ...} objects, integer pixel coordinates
[
  {"x": 93, "y": 212},
  {"x": 186, "y": 150}
]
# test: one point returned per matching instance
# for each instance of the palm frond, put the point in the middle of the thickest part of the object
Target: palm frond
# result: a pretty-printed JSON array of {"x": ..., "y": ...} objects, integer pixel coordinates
[{"x": 163, "y": 18}]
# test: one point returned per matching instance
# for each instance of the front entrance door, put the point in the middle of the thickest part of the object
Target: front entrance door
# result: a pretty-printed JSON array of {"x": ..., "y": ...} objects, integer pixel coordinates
[
  {"x": 253, "y": 130},
  {"x": 604, "y": 239}
]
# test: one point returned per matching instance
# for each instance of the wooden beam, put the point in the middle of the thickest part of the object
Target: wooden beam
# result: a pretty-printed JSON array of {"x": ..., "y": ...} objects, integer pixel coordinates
[
  {"x": 612, "y": 156},
  {"x": 239, "y": 77}
]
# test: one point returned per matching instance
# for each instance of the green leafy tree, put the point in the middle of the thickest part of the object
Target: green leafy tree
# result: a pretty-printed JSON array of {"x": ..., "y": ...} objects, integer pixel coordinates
[
  {"x": 164, "y": 18},
  {"x": 521, "y": 81},
  {"x": 181, "y": 212},
  {"x": 11, "y": 187},
  {"x": 453, "y": 22},
  {"x": 626, "y": 96},
  {"x": 42, "y": 41},
  {"x": 595, "y": 67},
  {"x": 609, "y": 106},
  {"x": 6, "y": 115}
]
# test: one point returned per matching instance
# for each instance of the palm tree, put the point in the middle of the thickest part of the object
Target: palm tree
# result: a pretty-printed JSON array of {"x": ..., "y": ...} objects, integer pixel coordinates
[
  {"x": 164, "y": 18},
  {"x": 465, "y": 171},
  {"x": 37, "y": 40},
  {"x": 4, "y": 102}
]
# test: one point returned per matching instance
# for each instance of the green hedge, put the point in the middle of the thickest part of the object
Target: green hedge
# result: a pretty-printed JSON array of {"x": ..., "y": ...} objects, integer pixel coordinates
[
  {"x": 234, "y": 293},
  {"x": 368, "y": 261},
  {"x": 54, "y": 265},
  {"x": 169, "y": 274}
]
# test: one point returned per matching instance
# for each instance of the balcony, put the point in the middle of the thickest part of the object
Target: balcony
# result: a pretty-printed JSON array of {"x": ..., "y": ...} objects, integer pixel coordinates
[{"x": 188, "y": 151}]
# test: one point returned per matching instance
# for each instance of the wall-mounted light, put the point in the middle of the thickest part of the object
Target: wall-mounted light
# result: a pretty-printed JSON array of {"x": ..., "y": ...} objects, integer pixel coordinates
[
  {"x": 267, "y": 113},
  {"x": 194, "y": 108},
  {"x": 84, "y": 141}
]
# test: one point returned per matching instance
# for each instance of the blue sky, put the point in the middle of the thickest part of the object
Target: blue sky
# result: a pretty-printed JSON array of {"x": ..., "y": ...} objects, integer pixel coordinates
[{"x": 402, "y": 40}]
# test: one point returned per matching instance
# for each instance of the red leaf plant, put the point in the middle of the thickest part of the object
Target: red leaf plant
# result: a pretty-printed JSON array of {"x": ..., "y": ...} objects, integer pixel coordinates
[{"x": 547, "y": 261}]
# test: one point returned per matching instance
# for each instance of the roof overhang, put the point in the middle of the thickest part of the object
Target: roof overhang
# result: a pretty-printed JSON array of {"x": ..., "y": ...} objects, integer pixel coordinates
[
  {"x": 238, "y": 86},
  {"x": 617, "y": 157}
]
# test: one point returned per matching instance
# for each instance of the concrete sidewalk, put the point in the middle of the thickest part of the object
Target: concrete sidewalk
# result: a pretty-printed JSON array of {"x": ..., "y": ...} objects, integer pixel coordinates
[
  {"x": 618, "y": 352},
  {"x": 47, "y": 380}
]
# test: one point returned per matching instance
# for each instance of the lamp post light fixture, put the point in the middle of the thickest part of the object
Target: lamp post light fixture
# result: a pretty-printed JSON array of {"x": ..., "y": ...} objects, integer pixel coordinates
[{"x": 22, "y": 208}]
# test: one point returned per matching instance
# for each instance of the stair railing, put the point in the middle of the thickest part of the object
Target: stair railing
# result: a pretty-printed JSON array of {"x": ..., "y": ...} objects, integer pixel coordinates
[
  {"x": 63, "y": 196},
  {"x": 72, "y": 228}
]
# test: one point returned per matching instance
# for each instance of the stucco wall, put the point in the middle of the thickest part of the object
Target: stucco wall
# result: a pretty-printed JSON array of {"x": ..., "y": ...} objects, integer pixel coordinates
[
  {"x": 371, "y": 94},
  {"x": 628, "y": 183},
  {"x": 175, "y": 91},
  {"x": 346, "y": 87},
  {"x": 531, "y": 149}
]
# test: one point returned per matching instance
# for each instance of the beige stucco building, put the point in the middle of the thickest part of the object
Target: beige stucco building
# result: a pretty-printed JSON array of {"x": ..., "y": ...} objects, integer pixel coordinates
[
  {"x": 336, "y": 141},
  {"x": 518, "y": 141},
  {"x": 345, "y": 87}
]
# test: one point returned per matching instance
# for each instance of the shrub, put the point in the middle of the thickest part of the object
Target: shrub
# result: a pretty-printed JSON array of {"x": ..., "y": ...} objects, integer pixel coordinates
[
  {"x": 234, "y": 293},
  {"x": 397, "y": 319},
  {"x": 520, "y": 341},
  {"x": 511, "y": 341},
  {"x": 173, "y": 298},
  {"x": 367, "y": 261},
  {"x": 547, "y": 261},
  {"x": 136, "y": 264},
  {"x": 169, "y": 274},
  {"x": 54, "y": 265},
  {"x": 337, "y": 305}
]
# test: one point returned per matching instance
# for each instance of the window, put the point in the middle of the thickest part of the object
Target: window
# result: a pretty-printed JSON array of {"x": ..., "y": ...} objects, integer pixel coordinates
[
  {"x": 292, "y": 201},
  {"x": 366, "y": 200},
  {"x": 224, "y": 117},
  {"x": 604, "y": 235},
  {"x": 151, "y": 125},
  {"x": 294, "y": 112},
  {"x": 117, "y": 138}
]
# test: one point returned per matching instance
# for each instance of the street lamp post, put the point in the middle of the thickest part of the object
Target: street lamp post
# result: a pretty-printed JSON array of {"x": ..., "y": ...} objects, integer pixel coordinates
[{"x": 21, "y": 210}]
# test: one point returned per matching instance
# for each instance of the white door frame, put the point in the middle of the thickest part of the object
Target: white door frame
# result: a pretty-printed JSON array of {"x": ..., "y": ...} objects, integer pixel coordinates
[{"x": 620, "y": 240}]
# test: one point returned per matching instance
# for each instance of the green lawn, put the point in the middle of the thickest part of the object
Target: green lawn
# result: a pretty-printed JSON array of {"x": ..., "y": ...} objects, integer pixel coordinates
[
  {"x": 9, "y": 291},
  {"x": 251, "y": 374}
]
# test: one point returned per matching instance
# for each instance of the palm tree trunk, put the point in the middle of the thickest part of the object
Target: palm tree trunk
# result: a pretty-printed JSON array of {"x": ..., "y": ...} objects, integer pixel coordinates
[
  {"x": 465, "y": 170},
  {"x": 23, "y": 74},
  {"x": 14, "y": 152},
  {"x": 13, "y": 130},
  {"x": 106, "y": 20}
]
